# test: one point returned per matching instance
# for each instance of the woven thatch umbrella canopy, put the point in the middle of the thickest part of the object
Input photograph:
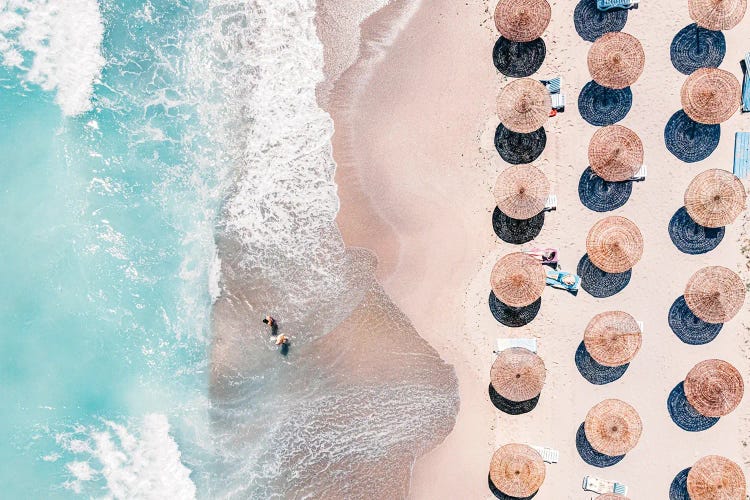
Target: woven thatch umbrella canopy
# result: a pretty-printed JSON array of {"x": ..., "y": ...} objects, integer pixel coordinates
[
  {"x": 522, "y": 20},
  {"x": 612, "y": 427},
  {"x": 714, "y": 388},
  {"x": 715, "y": 198},
  {"x": 710, "y": 95},
  {"x": 715, "y": 294},
  {"x": 614, "y": 244},
  {"x": 524, "y": 105},
  {"x": 517, "y": 470},
  {"x": 612, "y": 338},
  {"x": 716, "y": 478},
  {"x": 521, "y": 191},
  {"x": 717, "y": 14},
  {"x": 518, "y": 374},
  {"x": 616, "y": 60},
  {"x": 518, "y": 279},
  {"x": 615, "y": 153}
]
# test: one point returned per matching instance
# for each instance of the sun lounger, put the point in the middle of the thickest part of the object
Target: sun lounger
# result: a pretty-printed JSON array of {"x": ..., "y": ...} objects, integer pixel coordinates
[
  {"x": 554, "y": 87},
  {"x": 555, "y": 280},
  {"x": 546, "y": 256},
  {"x": 605, "y": 5},
  {"x": 503, "y": 344},
  {"x": 549, "y": 455},
  {"x": 746, "y": 86},
  {"x": 551, "y": 203},
  {"x": 602, "y": 486},
  {"x": 641, "y": 174},
  {"x": 742, "y": 155},
  {"x": 640, "y": 325},
  {"x": 558, "y": 102}
]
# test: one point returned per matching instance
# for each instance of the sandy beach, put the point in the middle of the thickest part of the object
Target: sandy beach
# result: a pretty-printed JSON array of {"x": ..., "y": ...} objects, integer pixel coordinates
[{"x": 415, "y": 168}]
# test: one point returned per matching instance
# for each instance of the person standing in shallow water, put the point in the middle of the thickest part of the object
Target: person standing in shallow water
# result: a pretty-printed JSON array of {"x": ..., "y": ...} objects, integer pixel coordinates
[{"x": 270, "y": 321}]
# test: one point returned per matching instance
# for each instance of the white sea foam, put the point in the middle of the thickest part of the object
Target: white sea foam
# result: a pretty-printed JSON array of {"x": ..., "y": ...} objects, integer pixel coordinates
[
  {"x": 143, "y": 463},
  {"x": 64, "y": 39}
]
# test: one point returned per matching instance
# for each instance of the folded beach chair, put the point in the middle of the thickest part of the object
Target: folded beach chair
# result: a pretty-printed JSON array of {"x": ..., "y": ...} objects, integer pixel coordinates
[
  {"x": 547, "y": 256},
  {"x": 641, "y": 174},
  {"x": 551, "y": 203},
  {"x": 549, "y": 455},
  {"x": 503, "y": 344},
  {"x": 602, "y": 486},
  {"x": 557, "y": 279},
  {"x": 605, "y": 5},
  {"x": 558, "y": 102},
  {"x": 742, "y": 155},
  {"x": 746, "y": 86}
]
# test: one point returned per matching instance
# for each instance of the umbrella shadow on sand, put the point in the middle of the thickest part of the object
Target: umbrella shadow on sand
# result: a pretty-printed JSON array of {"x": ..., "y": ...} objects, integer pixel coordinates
[
  {"x": 684, "y": 415},
  {"x": 602, "y": 196},
  {"x": 512, "y": 407},
  {"x": 516, "y": 231},
  {"x": 518, "y": 148},
  {"x": 589, "y": 454},
  {"x": 591, "y": 23},
  {"x": 598, "y": 283},
  {"x": 594, "y": 372},
  {"x": 518, "y": 59},
  {"x": 688, "y": 327},
  {"x": 678, "y": 488},
  {"x": 694, "y": 47},
  {"x": 690, "y": 237},
  {"x": 513, "y": 316},
  {"x": 502, "y": 496},
  {"x": 689, "y": 140},
  {"x": 601, "y": 106}
]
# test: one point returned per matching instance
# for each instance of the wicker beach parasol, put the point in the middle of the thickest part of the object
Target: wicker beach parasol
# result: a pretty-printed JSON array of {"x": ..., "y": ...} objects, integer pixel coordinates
[
  {"x": 615, "y": 153},
  {"x": 715, "y": 198},
  {"x": 717, "y": 14},
  {"x": 521, "y": 191},
  {"x": 614, "y": 244},
  {"x": 616, "y": 60},
  {"x": 518, "y": 374},
  {"x": 612, "y": 427},
  {"x": 714, "y": 388},
  {"x": 522, "y": 20},
  {"x": 710, "y": 95},
  {"x": 715, "y": 294},
  {"x": 518, "y": 279},
  {"x": 524, "y": 105},
  {"x": 517, "y": 470},
  {"x": 612, "y": 338},
  {"x": 716, "y": 478}
]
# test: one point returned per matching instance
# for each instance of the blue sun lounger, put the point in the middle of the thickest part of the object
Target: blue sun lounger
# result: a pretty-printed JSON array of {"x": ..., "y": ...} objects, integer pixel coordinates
[
  {"x": 746, "y": 86},
  {"x": 742, "y": 155},
  {"x": 605, "y": 5}
]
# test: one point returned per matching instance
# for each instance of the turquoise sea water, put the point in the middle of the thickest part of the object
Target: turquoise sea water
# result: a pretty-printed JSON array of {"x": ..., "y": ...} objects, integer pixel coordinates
[{"x": 107, "y": 222}]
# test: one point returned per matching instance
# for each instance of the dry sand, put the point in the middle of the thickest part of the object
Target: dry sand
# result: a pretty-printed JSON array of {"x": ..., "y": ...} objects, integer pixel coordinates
[{"x": 416, "y": 165}]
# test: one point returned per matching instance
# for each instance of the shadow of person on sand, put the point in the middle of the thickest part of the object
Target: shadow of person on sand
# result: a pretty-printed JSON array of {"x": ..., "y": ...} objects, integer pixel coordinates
[{"x": 512, "y": 407}]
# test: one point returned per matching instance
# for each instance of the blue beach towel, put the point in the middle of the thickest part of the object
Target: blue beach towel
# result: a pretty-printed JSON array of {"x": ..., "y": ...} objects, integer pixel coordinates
[
  {"x": 742, "y": 155},
  {"x": 746, "y": 86},
  {"x": 605, "y": 5}
]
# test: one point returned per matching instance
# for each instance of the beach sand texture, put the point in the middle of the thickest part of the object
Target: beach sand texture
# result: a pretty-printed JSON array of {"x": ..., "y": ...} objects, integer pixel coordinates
[{"x": 415, "y": 121}]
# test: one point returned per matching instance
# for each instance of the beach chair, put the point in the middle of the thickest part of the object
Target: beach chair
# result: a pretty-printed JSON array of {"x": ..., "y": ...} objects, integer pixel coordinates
[
  {"x": 558, "y": 102},
  {"x": 503, "y": 344},
  {"x": 641, "y": 174},
  {"x": 602, "y": 486},
  {"x": 742, "y": 155},
  {"x": 746, "y": 86},
  {"x": 555, "y": 279},
  {"x": 549, "y": 455},
  {"x": 605, "y": 5},
  {"x": 640, "y": 325},
  {"x": 551, "y": 203},
  {"x": 554, "y": 87}
]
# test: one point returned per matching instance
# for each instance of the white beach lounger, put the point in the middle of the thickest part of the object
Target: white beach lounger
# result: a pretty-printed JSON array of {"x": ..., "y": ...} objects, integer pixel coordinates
[
  {"x": 503, "y": 344},
  {"x": 602, "y": 486},
  {"x": 551, "y": 203},
  {"x": 640, "y": 325},
  {"x": 549, "y": 455},
  {"x": 641, "y": 174},
  {"x": 558, "y": 101}
]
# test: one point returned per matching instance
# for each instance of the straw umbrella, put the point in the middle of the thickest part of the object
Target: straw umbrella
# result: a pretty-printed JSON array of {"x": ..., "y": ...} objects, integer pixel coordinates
[
  {"x": 716, "y": 478},
  {"x": 715, "y": 294},
  {"x": 612, "y": 427},
  {"x": 612, "y": 338},
  {"x": 521, "y": 191},
  {"x": 715, "y": 198},
  {"x": 714, "y": 388},
  {"x": 517, "y": 470},
  {"x": 717, "y": 14},
  {"x": 614, "y": 244},
  {"x": 518, "y": 279},
  {"x": 522, "y": 20},
  {"x": 524, "y": 105},
  {"x": 710, "y": 95},
  {"x": 615, "y": 153},
  {"x": 616, "y": 60},
  {"x": 518, "y": 374}
]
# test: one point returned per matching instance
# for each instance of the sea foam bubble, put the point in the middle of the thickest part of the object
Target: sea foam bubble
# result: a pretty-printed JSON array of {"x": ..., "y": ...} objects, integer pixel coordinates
[{"x": 63, "y": 41}]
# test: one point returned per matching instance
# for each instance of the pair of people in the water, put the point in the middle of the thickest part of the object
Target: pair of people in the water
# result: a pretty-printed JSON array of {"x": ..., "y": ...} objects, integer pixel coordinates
[{"x": 281, "y": 339}]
